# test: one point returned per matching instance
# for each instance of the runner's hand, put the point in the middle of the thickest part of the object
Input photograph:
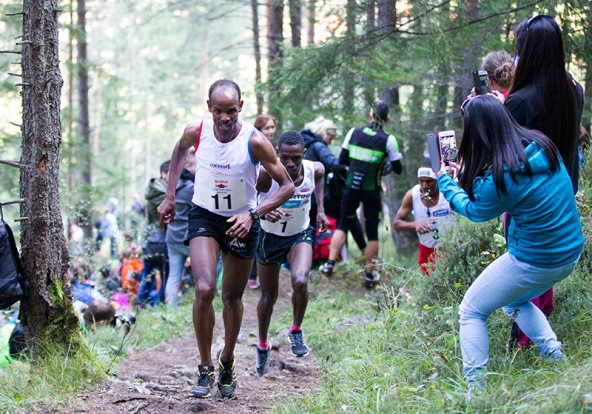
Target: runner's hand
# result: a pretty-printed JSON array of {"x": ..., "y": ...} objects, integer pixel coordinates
[
  {"x": 322, "y": 222},
  {"x": 166, "y": 212},
  {"x": 274, "y": 215},
  {"x": 241, "y": 225}
]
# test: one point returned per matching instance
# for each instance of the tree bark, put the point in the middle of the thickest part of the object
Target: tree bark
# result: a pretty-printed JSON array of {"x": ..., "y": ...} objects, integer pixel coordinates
[
  {"x": 48, "y": 317},
  {"x": 257, "y": 49},
  {"x": 349, "y": 79},
  {"x": 276, "y": 27},
  {"x": 295, "y": 7},
  {"x": 83, "y": 126},
  {"x": 312, "y": 19}
]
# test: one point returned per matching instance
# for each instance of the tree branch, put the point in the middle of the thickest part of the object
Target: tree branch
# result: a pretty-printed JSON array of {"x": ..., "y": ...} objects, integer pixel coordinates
[
  {"x": 12, "y": 163},
  {"x": 17, "y": 201},
  {"x": 11, "y": 51}
]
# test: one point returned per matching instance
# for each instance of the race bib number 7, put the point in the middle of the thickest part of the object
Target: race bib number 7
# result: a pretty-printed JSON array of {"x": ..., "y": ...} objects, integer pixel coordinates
[{"x": 222, "y": 193}]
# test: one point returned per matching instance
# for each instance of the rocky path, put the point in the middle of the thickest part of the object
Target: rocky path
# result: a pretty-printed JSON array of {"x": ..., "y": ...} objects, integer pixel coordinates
[{"x": 157, "y": 380}]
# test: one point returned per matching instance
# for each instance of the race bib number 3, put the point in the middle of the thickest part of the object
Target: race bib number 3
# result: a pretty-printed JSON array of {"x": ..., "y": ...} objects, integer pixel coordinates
[{"x": 222, "y": 193}]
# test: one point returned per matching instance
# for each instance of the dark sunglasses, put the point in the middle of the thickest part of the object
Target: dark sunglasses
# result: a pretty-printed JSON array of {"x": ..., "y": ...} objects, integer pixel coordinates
[
  {"x": 463, "y": 106},
  {"x": 537, "y": 17}
]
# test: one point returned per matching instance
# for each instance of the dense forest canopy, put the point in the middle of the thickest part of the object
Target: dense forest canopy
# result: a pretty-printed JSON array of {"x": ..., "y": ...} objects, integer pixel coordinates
[{"x": 150, "y": 64}]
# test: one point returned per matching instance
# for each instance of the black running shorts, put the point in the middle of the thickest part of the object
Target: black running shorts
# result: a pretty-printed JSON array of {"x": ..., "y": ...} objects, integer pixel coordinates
[
  {"x": 204, "y": 223},
  {"x": 274, "y": 249}
]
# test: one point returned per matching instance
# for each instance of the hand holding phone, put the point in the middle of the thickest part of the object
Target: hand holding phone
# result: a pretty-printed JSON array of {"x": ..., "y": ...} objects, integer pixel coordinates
[
  {"x": 481, "y": 82},
  {"x": 442, "y": 148}
]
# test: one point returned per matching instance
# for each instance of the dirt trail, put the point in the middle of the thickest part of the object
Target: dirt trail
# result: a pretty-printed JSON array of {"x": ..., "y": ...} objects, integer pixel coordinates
[{"x": 157, "y": 380}]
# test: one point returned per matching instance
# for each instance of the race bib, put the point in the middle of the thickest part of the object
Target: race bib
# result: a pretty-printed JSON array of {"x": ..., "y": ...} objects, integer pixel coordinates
[
  {"x": 291, "y": 222},
  {"x": 432, "y": 237},
  {"x": 221, "y": 193}
]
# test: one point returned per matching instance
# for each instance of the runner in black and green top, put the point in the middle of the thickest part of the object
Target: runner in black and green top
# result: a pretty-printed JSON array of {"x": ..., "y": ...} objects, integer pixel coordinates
[{"x": 364, "y": 150}]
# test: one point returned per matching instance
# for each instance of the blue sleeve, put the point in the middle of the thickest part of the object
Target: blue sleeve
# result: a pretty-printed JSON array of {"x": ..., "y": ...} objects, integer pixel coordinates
[
  {"x": 327, "y": 158},
  {"x": 488, "y": 203}
]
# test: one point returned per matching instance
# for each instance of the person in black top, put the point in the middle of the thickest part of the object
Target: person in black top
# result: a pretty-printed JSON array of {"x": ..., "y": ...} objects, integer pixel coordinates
[{"x": 364, "y": 150}]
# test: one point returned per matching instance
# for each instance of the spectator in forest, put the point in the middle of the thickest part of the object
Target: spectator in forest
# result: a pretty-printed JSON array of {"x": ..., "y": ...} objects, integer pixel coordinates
[
  {"x": 154, "y": 250},
  {"x": 107, "y": 229},
  {"x": 364, "y": 150},
  {"x": 431, "y": 216},
  {"x": 500, "y": 69},
  {"x": 318, "y": 135},
  {"x": 266, "y": 124},
  {"x": 287, "y": 236},
  {"x": 224, "y": 218},
  {"x": 502, "y": 162},
  {"x": 177, "y": 250},
  {"x": 546, "y": 98}
]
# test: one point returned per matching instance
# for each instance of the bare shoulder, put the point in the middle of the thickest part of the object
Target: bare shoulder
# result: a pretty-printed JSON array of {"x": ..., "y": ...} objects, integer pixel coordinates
[
  {"x": 189, "y": 135},
  {"x": 319, "y": 168},
  {"x": 261, "y": 147}
]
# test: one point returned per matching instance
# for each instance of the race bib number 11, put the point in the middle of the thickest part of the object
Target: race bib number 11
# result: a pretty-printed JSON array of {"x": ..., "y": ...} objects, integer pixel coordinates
[{"x": 222, "y": 193}]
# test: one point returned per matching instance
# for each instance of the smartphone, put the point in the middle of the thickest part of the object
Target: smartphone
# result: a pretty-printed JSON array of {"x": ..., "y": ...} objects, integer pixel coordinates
[
  {"x": 481, "y": 82},
  {"x": 447, "y": 145},
  {"x": 433, "y": 150}
]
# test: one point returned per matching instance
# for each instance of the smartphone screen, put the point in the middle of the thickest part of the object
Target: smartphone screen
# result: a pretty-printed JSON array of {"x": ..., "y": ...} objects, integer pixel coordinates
[
  {"x": 447, "y": 143},
  {"x": 481, "y": 82}
]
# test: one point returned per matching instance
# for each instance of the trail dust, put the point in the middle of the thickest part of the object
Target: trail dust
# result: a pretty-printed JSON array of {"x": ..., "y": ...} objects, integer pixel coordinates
[{"x": 157, "y": 380}]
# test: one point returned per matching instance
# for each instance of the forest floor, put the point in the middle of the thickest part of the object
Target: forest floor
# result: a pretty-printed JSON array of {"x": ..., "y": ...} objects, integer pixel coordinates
[{"x": 157, "y": 380}]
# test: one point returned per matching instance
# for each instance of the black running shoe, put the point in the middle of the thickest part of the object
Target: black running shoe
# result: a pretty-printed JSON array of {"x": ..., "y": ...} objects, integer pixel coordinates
[
  {"x": 513, "y": 339},
  {"x": 205, "y": 381},
  {"x": 299, "y": 348},
  {"x": 226, "y": 379},
  {"x": 371, "y": 279},
  {"x": 262, "y": 359}
]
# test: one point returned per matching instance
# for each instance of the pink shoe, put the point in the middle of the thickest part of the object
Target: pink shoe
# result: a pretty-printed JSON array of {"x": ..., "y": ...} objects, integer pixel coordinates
[{"x": 253, "y": 284}]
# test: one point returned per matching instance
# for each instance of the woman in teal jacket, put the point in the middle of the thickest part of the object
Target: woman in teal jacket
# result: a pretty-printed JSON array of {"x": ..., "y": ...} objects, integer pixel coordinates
[{"x": 507, "y": 168}]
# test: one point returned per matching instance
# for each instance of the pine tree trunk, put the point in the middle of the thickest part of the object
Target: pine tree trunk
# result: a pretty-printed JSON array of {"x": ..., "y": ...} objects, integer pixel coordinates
[
  {"x": 257, "y": 49},
  {"x": 295, "y": 7},
  {"x": 83, "y": 124},
  {"x": 275, "y": 31},
  {"x": 48, "y": 317}
]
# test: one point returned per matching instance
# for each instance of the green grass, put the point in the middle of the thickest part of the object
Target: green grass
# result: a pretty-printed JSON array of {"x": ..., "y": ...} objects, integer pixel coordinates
[{"x": 396, "y": 350}]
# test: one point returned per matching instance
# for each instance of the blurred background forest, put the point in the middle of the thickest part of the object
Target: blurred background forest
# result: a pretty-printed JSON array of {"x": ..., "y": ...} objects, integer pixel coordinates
[{"x": 136, "y": 72}]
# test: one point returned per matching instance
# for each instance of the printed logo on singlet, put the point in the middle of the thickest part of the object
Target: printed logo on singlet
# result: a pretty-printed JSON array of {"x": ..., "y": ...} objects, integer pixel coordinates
[
  {"x": 440, "y": 213},
  {"x": 220, "y": 166}
]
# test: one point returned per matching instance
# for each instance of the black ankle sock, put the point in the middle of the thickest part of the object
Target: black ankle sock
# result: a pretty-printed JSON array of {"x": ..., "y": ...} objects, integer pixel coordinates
[{"x": 331, "y": 262}]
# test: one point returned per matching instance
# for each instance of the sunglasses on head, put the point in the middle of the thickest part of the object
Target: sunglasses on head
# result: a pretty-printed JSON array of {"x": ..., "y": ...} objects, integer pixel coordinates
[
  {"x": 463, "y": 105},
  {"x": 537, "y": 17}
]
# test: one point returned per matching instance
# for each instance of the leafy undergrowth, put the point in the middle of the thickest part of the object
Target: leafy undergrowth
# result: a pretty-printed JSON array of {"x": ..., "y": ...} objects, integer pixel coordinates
[{"x": 396, "y": 350}]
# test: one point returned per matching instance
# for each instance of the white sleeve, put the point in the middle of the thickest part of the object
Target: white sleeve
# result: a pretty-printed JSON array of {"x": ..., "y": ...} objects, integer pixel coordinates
[
  {"x": 392, "y": 149},
  {"x": 345, "y": 144}
]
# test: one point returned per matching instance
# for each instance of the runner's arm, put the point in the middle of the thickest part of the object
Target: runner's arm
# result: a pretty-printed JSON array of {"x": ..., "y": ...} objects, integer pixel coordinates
[
  {"x": 166, "y": 209},
  {"x": 319, "y": 191}
]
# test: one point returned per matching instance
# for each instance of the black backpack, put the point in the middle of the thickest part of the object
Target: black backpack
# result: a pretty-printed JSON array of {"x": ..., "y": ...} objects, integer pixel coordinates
[{"x": 12, "y": 281}]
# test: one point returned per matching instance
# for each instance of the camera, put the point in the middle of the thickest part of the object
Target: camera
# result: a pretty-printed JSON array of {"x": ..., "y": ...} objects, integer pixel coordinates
[{"x": 481, "y": 82}]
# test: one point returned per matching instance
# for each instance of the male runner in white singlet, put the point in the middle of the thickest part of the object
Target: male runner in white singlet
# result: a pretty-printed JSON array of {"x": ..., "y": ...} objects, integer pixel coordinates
[
  {"x": 287, "y": 236},
  {"x": 224, "y": 218}
]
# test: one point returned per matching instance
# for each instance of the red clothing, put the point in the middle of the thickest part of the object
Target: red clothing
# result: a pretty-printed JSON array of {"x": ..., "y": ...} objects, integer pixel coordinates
[{"x": 426, "y": 259}]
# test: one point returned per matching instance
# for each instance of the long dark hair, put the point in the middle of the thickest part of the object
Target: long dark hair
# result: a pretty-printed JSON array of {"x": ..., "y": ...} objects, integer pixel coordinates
[
  {"x": 493, "y": 141},
  {"x": 541, "y": 71}
]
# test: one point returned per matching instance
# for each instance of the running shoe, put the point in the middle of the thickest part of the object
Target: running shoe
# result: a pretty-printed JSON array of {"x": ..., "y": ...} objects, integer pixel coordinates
[
  {"x": 226, "y": 379},
  {"x": 370, "y": 280},
  {"x": 205, "y": 381},
  {"x": 299, "y": 348},
  {"x": 326, "y": 269},
  {"x": 253, "y": 284},
  {"x": 262, "y": 359}
]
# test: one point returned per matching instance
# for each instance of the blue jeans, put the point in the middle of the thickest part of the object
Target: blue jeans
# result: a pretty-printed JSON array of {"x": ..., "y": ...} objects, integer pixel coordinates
[
  {"x": 510, "y": 284},
  {"x": 147, "y": 293},
  {"x": 178, "y": 253}
]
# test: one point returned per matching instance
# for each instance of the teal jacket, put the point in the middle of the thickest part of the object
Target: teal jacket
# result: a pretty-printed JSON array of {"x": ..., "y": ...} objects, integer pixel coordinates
[{"x": 545, "y": 229}]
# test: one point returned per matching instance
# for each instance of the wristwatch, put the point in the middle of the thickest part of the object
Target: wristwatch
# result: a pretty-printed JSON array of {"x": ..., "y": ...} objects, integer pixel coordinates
[{"x": 254, "y": 214}]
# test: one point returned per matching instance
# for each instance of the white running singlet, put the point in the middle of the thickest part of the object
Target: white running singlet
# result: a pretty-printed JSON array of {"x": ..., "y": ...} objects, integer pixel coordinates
[
  {"x": 439, "y": 217},
  {"x": 226, "y": 174},
  {"x": 296, "y": 209}
]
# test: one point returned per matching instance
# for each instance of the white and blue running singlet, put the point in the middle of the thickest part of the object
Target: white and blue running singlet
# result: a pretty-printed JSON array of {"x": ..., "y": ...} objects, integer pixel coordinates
[
  {"x": 296, "y": 210},
  {"x": 439, "y": 217}
]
